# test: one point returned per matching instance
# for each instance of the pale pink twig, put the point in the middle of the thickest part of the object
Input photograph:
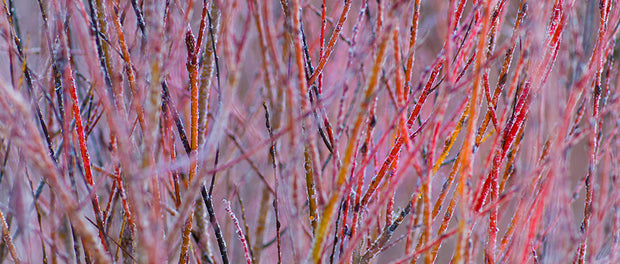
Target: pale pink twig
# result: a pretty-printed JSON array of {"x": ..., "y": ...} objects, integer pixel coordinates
[{"x": 246, "y": 250}]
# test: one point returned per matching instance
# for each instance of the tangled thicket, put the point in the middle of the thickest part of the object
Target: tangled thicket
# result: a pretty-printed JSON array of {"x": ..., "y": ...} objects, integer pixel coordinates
[{"x": 292, "y": 131}]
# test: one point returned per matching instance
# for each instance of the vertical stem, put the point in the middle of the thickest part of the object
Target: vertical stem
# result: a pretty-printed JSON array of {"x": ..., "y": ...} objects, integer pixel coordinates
[
  {"x": 193, "y": 73},
  {"x": 331, "y": 207},
  {"x": 468, "y": 144},
  {"x": 69, "y": 83},
  {"x": 6, "y": 236}
]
